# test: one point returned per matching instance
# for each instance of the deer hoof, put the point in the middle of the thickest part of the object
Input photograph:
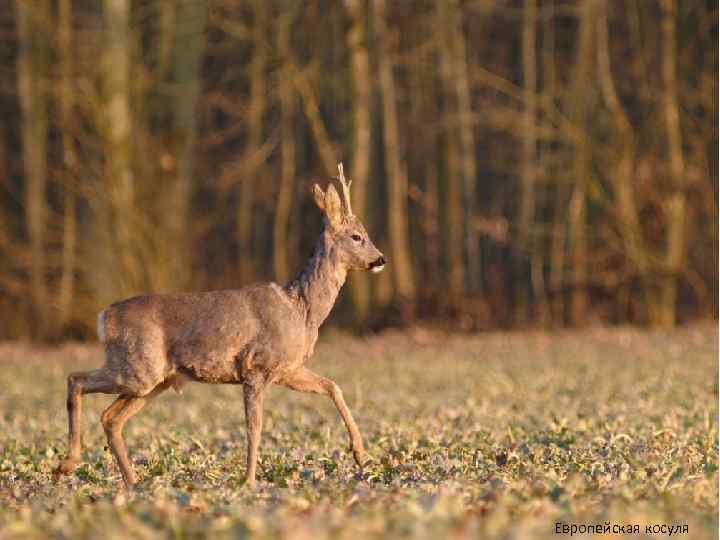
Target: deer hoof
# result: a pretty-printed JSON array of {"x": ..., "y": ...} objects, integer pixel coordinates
[
  {"x": 130, "y": 482},
  {"x": 66, "y": 467},
  {"x": 358, "y": 455},
  {"x": 123, "y": 496},
  {"x": 250, "y": 483},
  {"x": 362, "y": 458}
]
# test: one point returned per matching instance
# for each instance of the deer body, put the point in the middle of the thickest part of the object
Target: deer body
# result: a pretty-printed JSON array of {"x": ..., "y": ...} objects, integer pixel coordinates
[
  {"x": 255, "y": 336},
  {"x": 212, "y": 337}
]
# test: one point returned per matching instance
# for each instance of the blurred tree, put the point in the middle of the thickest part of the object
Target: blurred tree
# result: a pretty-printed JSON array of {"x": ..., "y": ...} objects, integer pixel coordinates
[
  {"x": 453, "y": 174},
  {"x": 526, "y": 215},
  {"x": 254, "y": 157},
  {"x": 529, "y": 160},
  {"x": 120, "y": 266},
  {"x": 623, "y": 170},
  {"x": 69, "y": 179},
  {"x": 579, "y": 107},
  {"x": 360, "y": 171},
  {"x": 675, "y": 208},
  {"x": 558, "y": 232},
  {"x": 32, "y": 68},
  {"x": 187, "y": 54},
  {"x": 287, "y": 149},
  {"x": 397, "y": 183}
]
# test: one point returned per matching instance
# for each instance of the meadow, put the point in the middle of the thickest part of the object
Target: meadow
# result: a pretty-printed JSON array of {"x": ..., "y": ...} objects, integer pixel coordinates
[{"x": 496, "y": 435}]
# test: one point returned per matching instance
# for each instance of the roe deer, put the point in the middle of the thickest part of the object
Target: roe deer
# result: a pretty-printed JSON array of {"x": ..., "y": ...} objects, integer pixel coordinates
[{"x": 254, "y": 336}]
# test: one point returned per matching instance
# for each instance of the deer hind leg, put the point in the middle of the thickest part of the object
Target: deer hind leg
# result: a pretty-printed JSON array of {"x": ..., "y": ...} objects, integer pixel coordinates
[
  {"x": 253, "y": 390},
  {"x": 304, "y": 380},
  {"x": 113, "y": 420},
  {"x": 78, "y": 384}
]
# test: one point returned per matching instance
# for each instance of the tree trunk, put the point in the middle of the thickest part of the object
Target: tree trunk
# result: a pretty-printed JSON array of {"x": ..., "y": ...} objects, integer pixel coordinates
[
  {"x": 558, "y": 255},
  {"x": 453, "y": 172},
  {"x": 581, "y": 167},
  {"x": 629, "y": 220},
  {"x": 357, "y": 43},
  {"x": 287, "y": 173},
  {"x": 466, "y": 125},
  {"x": 529, "y": 163},
  {"x": 559, "y": 226},
  {"x": 33, "y": 27},
  {"x": 256, "y": 113},
  {"x": 397, "y": 184},
  {"x": 189, "y": 45},
  {"x": 675, "y": 247},
  {"x": 119, "y": 146},
  {"x": 423, "y": 100},
  {"x": 67, "y": 277},
  {"x": 167, "y": 20}
]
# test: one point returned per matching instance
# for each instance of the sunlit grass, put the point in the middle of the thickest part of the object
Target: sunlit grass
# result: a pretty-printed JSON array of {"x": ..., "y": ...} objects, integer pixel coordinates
[{"x": 498, "y": 435}]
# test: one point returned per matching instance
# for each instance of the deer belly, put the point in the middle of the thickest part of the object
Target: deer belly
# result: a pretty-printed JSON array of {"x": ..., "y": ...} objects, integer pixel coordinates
[
  {"x": 212, "y": 371},
  {"x": 227, "y": 369}
]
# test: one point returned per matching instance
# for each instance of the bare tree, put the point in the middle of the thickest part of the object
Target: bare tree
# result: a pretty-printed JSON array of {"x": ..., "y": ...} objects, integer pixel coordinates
[
  {"x": 397, "y": 184},
  {"x": 287, "y": 168},
  {"x": 424, "y": 104},
  {"x": 581, "y": 168},
  {"x": 32, "y": 61},
  {"x": 67, "y": 92},
  {"x": 675, "y": 210},
  {"x": 466, "y": 126},
  {"x": 187, "y": 54},
  {"x": 624, "y": 170},
  {"x": 558, "y": 241},
  {"x": 120, "y": 213},
  {"x": 447, "y": 17},
  {"x": 360, "y": 62},
  {"x": 529, "y": 159},
  {"x": 256, "y": 113}
]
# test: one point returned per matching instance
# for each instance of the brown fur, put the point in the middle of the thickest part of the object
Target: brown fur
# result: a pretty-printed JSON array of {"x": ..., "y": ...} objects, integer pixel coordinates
[{"x": 255, "y": 336}]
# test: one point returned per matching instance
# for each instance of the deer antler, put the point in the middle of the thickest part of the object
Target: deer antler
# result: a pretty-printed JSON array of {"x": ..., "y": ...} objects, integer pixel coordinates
[{"x": 345, "y": 188}]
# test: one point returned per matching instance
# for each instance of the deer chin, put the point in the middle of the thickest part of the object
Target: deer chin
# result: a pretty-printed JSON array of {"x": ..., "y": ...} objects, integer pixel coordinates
[{"x": 377, "y": 269}]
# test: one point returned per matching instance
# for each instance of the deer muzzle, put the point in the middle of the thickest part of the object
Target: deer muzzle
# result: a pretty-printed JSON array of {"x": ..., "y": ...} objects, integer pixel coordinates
[{"x": 377, "y": 265}]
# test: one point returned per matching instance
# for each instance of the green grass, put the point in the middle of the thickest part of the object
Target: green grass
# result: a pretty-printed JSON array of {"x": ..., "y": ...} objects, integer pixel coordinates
[{"x": 496, "y": 435}]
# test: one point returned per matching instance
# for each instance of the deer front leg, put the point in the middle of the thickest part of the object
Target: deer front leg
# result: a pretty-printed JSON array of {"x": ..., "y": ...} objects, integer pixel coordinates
[
  {"x": 304, "y": 380},
  {"x": 78, "y": 384},
  {"x": 74, "y": 410},
  {"x": 253, "y": 395}
]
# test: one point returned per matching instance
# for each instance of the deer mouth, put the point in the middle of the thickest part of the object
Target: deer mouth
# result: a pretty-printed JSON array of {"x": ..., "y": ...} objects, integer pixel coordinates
[{"x": 377, "y": 265}]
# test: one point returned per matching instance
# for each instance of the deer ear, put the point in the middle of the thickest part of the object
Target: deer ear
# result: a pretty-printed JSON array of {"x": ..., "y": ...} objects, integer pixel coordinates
[
  {"x": 319, "y": 196},
  {"x": 333, "y": 206}
]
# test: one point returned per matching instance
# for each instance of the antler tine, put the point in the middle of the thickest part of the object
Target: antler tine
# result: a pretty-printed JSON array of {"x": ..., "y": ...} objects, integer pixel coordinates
[{"x": 345, "y": 188}]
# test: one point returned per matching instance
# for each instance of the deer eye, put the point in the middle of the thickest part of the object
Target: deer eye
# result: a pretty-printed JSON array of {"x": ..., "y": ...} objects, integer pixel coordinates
[{"x": 356, "y": 237}]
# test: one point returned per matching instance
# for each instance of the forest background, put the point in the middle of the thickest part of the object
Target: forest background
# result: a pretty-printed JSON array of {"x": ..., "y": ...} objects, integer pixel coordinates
[{"x": 543, "y": 163}]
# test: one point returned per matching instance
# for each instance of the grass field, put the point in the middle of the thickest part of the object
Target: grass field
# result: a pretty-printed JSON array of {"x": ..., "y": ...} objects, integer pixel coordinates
[{"x": 491, "y": 436}]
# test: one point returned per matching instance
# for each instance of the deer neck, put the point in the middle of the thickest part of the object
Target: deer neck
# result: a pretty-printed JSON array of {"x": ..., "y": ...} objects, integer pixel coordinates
[{"x": 318, "y": 284}]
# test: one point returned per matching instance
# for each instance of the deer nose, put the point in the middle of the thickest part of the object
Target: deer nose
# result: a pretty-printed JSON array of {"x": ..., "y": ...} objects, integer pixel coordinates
[{"x": 378, "y": 264}]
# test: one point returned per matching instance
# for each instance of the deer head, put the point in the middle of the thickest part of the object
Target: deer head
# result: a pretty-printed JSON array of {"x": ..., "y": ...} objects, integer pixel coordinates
[{"x": 347, "y": 240}]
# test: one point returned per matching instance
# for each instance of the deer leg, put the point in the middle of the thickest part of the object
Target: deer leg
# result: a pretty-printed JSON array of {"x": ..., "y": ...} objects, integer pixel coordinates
[
  {"x": 113, "y": 420},
  {"x": 304, "y": 380},
  {"x": 254, "y": 396},
  {"x": 80, "y": 383}
]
